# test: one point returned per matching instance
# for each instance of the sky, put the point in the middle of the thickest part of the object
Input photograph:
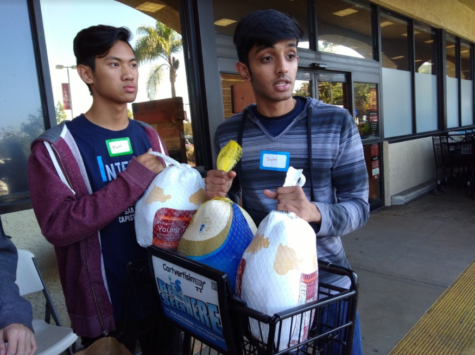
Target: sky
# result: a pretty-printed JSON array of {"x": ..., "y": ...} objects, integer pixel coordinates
[{"x": 63, "y": 19}]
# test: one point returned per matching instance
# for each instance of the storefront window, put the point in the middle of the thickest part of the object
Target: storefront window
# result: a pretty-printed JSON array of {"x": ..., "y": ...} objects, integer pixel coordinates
[
  {"x": 466, "y": 84},
  {"x": 228, "y": 13},
  {"x": 366, "y": 109},
  {"x": 238, "y": 93},
  {"x": 332, "y": 93},
  {"x": 233, "y": 96},
  {"x": 425, "y": 50},
  {"x": 395, "y": 44},
  {"x": 466, "y": 72},
  {"x": 302, "y": 88},
  {"x": 396, "y": 80},
  {"x": 162, "y": 99},
  {"x": 452, "y": 83},
  {"x": 21, "y": 118},
  {"x": 344, "y": 27},
  {"x": 331, "y": 87},
  {"x": 425, "y": 79}
]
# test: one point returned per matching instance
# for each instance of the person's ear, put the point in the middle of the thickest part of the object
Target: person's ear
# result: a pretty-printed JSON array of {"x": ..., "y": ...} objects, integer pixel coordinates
[
  {"x": 243, "y": 71},
  {"x": 85, "y": 73}
]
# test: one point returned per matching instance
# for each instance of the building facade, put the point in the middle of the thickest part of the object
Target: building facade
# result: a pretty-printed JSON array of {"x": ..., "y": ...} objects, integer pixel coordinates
[{"x": 403, "y": 69}]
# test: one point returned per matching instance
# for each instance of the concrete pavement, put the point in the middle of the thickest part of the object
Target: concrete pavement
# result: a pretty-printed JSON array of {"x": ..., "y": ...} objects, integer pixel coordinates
[{"x": 405, "y": 257}]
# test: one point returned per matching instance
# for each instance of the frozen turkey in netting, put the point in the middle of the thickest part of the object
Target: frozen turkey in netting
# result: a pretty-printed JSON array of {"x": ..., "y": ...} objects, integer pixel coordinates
[
  {"x": 221, "y": 230},
  {"x": 166, "y": 208},
  {"x": 279, "y": 271},
  {"x": 218, "y": 235}
]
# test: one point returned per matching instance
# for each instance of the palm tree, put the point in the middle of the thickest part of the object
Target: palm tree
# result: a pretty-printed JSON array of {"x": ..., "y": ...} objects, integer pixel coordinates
[{"x": 155, "y": 43}]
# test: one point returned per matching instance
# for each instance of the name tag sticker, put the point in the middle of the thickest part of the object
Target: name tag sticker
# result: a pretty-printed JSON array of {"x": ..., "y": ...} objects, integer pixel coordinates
[
  {"x": 119, "y": 146},
  {"x": 277, "y": 161}
]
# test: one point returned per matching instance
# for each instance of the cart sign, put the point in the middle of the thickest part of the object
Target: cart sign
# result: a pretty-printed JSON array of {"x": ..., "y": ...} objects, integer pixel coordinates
[
  {"x": 190, "y": 300},
  {"x": 66, "y": 96}
]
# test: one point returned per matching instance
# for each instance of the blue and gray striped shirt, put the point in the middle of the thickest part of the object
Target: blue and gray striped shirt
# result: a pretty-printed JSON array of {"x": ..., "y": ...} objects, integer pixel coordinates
[{"x": 340, "y": 179}]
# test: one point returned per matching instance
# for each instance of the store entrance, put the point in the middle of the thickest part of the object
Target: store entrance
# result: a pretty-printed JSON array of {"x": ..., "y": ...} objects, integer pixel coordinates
[
  {"x": 330, "y": 87},
  {"x": 361, "y": 100}
]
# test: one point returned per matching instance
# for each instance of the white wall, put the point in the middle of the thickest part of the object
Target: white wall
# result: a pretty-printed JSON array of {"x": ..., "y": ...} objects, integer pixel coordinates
[
  {"x": 26, "y": 234},
  {"x": 406, "y": 165}
]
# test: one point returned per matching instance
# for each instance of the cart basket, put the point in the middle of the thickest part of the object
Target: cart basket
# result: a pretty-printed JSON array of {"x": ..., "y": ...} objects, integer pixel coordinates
[
  {"x": 331, "y": 331},
  {"x": 329, "y": 321}
]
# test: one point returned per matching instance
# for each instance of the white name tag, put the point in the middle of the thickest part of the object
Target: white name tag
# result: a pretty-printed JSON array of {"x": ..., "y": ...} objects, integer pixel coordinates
[
  {"x": 120, "y": 146},
  {"x": 278, "y": 161}
]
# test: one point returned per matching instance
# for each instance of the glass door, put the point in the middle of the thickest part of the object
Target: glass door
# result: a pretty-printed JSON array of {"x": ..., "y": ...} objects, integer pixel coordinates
[
  {"x": 361, "y": 100},
  {"x": 329, "y": 87},
  {"x": 333, "y": 89}
]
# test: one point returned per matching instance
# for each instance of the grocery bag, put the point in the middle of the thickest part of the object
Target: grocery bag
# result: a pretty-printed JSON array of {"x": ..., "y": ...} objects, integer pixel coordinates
[
  {"x": 279, "y": 271},
  {"x": 166, "y": 208},
  {"x": 221, "y": 230}
]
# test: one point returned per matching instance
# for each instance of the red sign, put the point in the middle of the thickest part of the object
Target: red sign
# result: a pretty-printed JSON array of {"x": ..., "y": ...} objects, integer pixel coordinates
[
  {"x": 375, "y": 169},
  {"x": 374, "y": 150},
  {"x": 373, "y": 117},
  {"x": 66, "y": 96}
]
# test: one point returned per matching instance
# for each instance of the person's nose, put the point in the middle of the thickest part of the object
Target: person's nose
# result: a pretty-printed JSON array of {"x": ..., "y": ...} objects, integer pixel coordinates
[
  {"x": 282, "y": 66},
  {"x": 127, "y": 73}
]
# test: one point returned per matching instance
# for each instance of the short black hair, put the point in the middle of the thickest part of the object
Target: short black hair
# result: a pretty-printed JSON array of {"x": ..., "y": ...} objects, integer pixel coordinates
[
  {"x": 264, "y": 28},
  {"x": 96, "y": 41}
]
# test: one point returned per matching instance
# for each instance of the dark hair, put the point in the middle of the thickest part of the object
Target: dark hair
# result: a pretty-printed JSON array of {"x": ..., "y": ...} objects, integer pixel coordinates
[
  {"x": 264, "y": 28},
  {"x": 96, "y": 41}
]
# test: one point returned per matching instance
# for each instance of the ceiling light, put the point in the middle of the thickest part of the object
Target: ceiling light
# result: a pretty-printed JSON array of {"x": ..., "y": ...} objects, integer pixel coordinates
[
  {"x": 418, "y": 60},
  {"x": 386, "y": 23},
  {"x": 150, "y": 7},
  {"x": 398, "y": 57},
  {"x": 451, "y": 46},
  {"x": 429, "y": 41},
  {"x": 465, "y": 51},
  {"x": 224, "y": 22},
  {"x": 345, "y": 12},
  {"x": 405, "y": 34}
]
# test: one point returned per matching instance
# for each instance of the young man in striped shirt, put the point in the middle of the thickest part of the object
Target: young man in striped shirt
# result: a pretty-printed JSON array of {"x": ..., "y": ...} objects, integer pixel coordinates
[{"x": 281, "y": 131}]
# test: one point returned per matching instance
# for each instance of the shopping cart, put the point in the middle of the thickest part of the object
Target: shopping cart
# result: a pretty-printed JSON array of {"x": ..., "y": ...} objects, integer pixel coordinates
[
  {"x": 216, "y": 322},
  {"x": 455, "y": 159},
  {"x": 143, "y": 327},
  {"x": 442, "y": 161}
]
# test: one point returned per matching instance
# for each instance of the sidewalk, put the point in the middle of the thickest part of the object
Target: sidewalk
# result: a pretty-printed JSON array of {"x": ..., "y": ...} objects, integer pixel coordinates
[{"x": 405, "y": 257}]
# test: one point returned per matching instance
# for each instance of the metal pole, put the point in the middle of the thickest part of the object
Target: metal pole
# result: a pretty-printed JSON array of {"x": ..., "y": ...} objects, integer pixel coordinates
[{"x": 70, "y": 94}]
